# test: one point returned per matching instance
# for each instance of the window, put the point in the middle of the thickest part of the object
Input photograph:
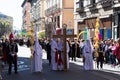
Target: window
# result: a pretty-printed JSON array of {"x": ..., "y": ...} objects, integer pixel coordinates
[
  {"x": 81, "y": 5},
  {"x": 92, "y": 1}
]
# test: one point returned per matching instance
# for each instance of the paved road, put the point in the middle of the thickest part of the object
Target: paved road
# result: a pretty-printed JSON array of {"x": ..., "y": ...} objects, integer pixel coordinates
[{"x": 75, "y": 72}]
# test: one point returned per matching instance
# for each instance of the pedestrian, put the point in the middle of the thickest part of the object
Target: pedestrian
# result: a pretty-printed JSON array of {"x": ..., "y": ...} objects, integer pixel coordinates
[
  {"x": 117, "y": 52},
  {"x": 88, "y": 55},
  {"x": 75, "y": 50},
  {"x": 70, "y": 48},
  {"x": 100, "y": 58},
  {"x": 28, "y": 42},
  {"x": 112, "y": 56},
  {"x": 1, "y": 59},
  {"x": 12, "y": 56},
  {"x": 107, "y": 52},
  {"x": 5, "y": 51},
  {"x": 81, "y": 44},
  {"x": 48, "y": 50},
  {"x": 54, "y": 49}
]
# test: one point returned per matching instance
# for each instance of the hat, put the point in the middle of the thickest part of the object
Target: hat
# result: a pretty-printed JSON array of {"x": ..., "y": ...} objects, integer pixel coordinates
[{"x": 11, "y": 36}]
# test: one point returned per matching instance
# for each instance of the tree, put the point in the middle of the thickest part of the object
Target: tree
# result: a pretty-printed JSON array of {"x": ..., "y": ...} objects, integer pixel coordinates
[
  {"x": 41, "y": 35},
  {"x": 4, "y": 26}
]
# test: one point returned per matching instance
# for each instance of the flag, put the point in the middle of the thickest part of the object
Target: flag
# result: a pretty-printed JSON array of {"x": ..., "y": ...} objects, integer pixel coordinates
[{"x": 100, "y": 37}]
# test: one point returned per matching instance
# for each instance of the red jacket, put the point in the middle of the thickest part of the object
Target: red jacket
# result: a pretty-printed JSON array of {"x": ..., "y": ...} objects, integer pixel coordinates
[{"x": 117, "y": 52}]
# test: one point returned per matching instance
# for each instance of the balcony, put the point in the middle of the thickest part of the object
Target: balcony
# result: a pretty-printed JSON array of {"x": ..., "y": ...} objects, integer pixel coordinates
[
  {"x": 116, "y": 4},
  {"x": 106, "y": 3},
  {"x": 92, "y": 6},
  {"x": 79, "y": 7},
  {"x": 52, "y": 10},
  {"x": 80, "y": 10}
]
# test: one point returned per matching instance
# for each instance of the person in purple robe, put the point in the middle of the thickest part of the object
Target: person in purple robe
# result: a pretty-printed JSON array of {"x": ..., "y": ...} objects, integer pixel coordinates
[
  {"x": 37, "y": 59},
  {"x": 88, "y": 55},
  {"x": 54, "y": 49}
]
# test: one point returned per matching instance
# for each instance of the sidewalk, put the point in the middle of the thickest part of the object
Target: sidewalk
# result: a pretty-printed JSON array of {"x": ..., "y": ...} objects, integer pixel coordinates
[{"x": 106, "y": 67}]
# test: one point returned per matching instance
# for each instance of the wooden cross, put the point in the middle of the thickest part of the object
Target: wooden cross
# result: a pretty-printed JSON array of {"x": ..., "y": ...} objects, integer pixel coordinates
[{"x": 64, "y": 36}]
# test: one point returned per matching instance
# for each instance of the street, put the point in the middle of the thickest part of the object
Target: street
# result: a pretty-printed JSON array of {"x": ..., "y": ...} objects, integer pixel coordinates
[{"x": 75, "y": 72}]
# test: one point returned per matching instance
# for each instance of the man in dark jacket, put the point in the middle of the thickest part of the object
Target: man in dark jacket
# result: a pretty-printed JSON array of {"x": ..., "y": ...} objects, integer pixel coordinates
[
  {"x": 48, "y": 49},
  {"x": 75, "y": 50},
  {"x": 12, "y": 58}
]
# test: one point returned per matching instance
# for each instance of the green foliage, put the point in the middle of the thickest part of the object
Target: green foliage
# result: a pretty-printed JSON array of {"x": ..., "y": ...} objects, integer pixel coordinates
[
  {"x": 5, "y": 22},
  {"x": 41, "y": 35},
  {"x": 5, "y": 26},
  {"x": 19, "y": 35}
]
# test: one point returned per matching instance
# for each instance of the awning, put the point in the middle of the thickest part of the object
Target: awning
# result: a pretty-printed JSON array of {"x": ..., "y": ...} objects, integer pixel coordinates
[
  {"x": 104, "y": 16},
  {"x": 80, "y": 20}
]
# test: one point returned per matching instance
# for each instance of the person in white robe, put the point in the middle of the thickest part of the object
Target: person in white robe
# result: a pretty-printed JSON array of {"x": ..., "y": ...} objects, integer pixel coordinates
[
  {"x": 88, "y": 55},
  {"x": 68, "y": 49},
  {"x": 54, "y": 48},
  {"x": 37, "y": 56}
]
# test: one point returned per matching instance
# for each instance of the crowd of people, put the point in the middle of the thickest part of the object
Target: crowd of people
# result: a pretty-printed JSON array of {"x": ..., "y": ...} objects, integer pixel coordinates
[{"x": 108, "y": 51}]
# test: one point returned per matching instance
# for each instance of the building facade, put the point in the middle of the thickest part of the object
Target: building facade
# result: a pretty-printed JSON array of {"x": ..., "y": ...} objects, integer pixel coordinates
[
  {"x": 59, "y": 12},
  {"x": 37, "y": 14},
  {"x": 42, "y": 15},
  {"x": 116, "y": 18},
  {"x": 26, "y": 15},
  {"x": 86, "y": 12}
]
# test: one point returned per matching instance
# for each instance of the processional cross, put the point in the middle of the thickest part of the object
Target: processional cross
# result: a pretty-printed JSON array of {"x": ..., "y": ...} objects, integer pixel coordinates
[{"x": 64, "y": 36}]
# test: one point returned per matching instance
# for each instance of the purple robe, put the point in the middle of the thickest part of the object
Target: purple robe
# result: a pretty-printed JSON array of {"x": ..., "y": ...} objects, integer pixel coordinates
[
  {"x": 88, "y": 55},
  {"x": 53, "y": 51},
  {"x": 37, "y": 59}
]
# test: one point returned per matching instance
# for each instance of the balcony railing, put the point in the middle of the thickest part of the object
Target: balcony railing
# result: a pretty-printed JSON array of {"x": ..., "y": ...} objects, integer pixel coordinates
[
  {"x": 106, "y": 3},
  {"x": 54, "y": 9},
  {"x": 79, "y": 7},
  {"x": 80, "y": 10}
]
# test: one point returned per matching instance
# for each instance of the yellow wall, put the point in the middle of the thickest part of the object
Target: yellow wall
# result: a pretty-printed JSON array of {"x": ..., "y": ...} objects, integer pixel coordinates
[
  {"x": 68, "y": 3},
  {"x": 68, "y": 18},
  {"x": 68, "y": 13}
]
